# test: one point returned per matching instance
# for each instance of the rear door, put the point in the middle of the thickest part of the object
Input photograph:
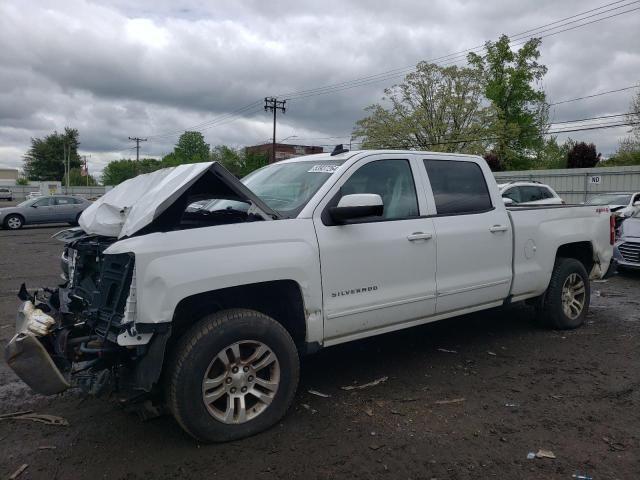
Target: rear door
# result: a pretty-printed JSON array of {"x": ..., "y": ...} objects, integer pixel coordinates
[
  {"x": 65, "y": 209},
  {"x": 474, "y": 235},
  {"x": 380, "y": 272}
]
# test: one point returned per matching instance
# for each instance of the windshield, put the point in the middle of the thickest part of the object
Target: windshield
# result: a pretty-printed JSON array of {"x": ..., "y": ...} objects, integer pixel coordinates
[
  {"x": 285, "y": 187},
  {"x": 611, "y": 199},
  {"x": 27, "y": 202}
]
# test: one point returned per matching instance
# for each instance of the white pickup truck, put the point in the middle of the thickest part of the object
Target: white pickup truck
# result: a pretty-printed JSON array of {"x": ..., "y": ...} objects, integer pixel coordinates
[{"x": 206, "y": 310}]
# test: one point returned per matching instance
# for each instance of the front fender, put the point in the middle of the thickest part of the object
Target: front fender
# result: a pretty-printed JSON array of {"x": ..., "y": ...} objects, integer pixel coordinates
[{"x": 175, "y": 265}]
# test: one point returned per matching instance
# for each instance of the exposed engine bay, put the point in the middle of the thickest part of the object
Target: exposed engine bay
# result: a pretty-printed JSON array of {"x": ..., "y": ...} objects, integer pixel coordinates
[{"x": 79, "y": 322}]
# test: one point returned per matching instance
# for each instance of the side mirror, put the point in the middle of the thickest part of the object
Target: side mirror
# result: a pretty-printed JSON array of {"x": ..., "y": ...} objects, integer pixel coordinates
[
  {"x": 508, "y": 201},
  {"x": 34, "y": 206},
  {"x": 358, "y": 205}
]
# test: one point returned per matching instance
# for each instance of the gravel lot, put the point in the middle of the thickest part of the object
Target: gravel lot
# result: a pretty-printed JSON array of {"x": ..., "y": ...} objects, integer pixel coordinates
[{"x": 517, "y": 388}]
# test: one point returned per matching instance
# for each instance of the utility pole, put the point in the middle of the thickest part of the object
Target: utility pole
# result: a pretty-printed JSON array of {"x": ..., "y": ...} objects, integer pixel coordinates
[
  {"x": 68, "y": 167},
  {"x": 138, "y": 140},
  {"x": 65, "y": 162},
  {"x": 273, "y": 104}
]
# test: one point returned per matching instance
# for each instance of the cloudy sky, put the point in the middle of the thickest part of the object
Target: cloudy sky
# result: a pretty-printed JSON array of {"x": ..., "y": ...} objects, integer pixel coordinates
[{"x": 153, "y": 68}]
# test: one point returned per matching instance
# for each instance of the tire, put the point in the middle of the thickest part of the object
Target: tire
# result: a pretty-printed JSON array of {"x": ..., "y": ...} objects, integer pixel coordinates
[
  {"x": 198, "y": 357},
  {"x": 13, "y": 222},
  {"x": 566, "y": 301}
]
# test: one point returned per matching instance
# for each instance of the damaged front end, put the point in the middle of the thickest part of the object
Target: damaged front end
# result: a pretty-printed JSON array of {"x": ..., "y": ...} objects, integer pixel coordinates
[
  {"x": 84, "y": 333},
  {"x": 77, "y": 334}
]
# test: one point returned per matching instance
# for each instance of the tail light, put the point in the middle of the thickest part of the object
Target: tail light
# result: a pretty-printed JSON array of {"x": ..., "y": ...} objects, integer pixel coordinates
[{"x": 612, "y": 229}]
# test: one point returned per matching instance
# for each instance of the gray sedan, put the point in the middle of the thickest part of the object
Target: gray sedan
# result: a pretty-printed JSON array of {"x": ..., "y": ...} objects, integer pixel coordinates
[{"x": 48, "y": 209}]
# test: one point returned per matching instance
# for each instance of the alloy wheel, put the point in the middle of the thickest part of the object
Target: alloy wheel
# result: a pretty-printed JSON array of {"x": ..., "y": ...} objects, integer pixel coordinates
[
  {"x": 241, "y": 382},
  {"x": 573, "y": 296}
]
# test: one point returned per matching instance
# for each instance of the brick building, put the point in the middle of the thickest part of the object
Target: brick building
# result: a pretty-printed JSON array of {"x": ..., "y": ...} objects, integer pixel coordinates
[{"x": 284, "y": 150}]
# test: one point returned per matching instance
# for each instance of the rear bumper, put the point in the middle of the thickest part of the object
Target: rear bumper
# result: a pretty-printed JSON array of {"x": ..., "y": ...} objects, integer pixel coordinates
[{"x": 29, "y": 359}]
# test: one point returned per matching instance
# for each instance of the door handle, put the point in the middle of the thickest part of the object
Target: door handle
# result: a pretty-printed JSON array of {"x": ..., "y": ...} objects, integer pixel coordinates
[
  {"x": 498, "y": 228},
  {"x": 419, "y": 236}
]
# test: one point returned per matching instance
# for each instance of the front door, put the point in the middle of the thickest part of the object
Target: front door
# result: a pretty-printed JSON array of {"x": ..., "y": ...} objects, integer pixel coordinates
[
  {"x": 379, "y": 272},
  {"x": 40, "y": 211},
  {"x": 474, "y": 236}
]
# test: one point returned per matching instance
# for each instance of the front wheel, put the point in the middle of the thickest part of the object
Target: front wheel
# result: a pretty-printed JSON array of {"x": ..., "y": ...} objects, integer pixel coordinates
[
  {"x": 13, "y": 222},
  {"x": 233, "y": 374},
  {"x": 566, "y": 301}
]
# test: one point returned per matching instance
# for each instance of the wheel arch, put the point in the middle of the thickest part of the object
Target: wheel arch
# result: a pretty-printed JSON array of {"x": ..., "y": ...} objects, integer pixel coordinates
[
  {"x": 281, "y": 300},
  {"x": 581, "y": 251}
]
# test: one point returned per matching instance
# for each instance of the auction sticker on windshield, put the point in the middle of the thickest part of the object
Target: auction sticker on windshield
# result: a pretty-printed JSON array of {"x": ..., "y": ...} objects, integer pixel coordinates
[{"x": 323, "y": 169}]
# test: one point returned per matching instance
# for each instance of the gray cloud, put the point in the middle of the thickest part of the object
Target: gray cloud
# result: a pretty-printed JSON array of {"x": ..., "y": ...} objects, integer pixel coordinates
[{"x": 118, "y": 69}]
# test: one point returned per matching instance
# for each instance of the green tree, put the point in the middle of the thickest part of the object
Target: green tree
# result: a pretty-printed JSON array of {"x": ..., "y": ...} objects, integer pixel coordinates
[
  {"x": 22, "y": 181},
  {"x": 252, "y": 161},
  {"x": 553, "y": 154},
  {"x": 45, "y": 159},
  {"x": 628, "y": 154},
  {"x": 118, "y": 171},
  {"x": 191, "y": 148},
  {"x": 435, "y": 108},
  {"x": 232, "y": 160},
  {"x": 520, "y": 113}
]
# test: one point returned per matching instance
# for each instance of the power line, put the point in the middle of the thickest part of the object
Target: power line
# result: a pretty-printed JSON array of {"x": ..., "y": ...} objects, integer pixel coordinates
[
  {"x": 398, "y": 71},
  {"x": 364, "y": 82},
  {"x": 207, "y": 124},
  {"x": 594, "y": 95},
  {"x": 485, "y": 139},
  {"x": 515, "y": 41},
  {"x": 595, "y": 118}
]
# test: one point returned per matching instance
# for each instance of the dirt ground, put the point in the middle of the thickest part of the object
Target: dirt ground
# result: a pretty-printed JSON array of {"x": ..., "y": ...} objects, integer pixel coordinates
[{"x": 517, "y": 388}]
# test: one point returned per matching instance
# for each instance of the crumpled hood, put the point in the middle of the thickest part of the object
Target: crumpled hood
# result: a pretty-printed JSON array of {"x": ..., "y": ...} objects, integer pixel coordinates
[{"x": 135, "y": 203}]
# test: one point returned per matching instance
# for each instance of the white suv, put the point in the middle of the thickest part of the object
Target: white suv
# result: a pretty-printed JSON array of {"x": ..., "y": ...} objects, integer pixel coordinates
[{"x": 532, "y": 193}]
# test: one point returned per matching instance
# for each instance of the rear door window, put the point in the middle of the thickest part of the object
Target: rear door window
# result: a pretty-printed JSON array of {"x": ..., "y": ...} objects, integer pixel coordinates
[
  {"x": 533, "y": 194},
  {"x": 458, "y": 187},
  {"x": 64, "y": 201}
]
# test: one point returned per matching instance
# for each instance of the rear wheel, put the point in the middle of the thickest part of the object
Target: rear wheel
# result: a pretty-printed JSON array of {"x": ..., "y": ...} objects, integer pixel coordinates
[
  {"x": 233, "y": 374},
  {"x": 13, "y": 222},
  {"x": 566, "y": 301}
]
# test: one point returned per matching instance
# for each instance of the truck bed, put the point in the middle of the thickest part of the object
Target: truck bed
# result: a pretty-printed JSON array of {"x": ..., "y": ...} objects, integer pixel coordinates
[{"x": 539, "y": 230}]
